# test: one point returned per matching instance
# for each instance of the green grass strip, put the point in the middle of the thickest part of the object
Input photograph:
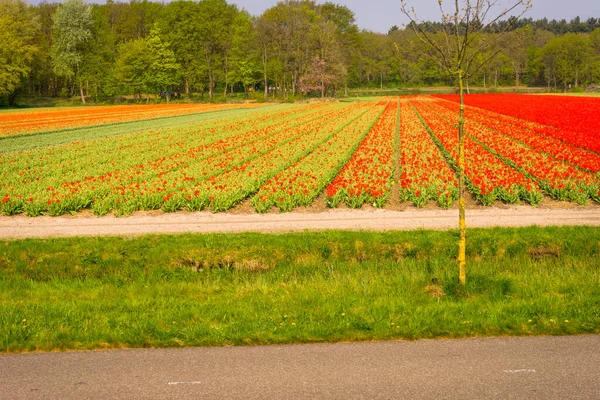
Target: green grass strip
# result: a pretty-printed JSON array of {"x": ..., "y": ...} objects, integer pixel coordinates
[{"x": 235, "y": 289}]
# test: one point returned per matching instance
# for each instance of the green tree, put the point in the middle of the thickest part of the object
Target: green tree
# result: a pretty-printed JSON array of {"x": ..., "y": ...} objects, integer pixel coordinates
[
  {"x": 132, "y": 66},
  {"x": 18, "y": 26},
  {"x": 216, "y": 18},
  {"x": 163, "y": 70},
  {"x": 244, "y": 54},
  {"x": 180, "y": 26},
  {"x": 568, "y": 58},
  {"x": 72, "y": 29},
  {"x": 595, "y": 40}
]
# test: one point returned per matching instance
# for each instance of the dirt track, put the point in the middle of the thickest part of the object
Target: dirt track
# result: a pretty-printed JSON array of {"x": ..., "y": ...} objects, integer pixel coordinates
[{"x": 371, "y": 220}]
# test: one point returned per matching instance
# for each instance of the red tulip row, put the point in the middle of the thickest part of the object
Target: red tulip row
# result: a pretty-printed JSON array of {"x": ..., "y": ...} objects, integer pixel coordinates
[
  {"x": 425, "y": 173},
  {"x": 488, "y": 178},
  {"x": 531, "y": 134},
  {"x": 367, "y": 177},
  {"x": 573, "y": 120}
]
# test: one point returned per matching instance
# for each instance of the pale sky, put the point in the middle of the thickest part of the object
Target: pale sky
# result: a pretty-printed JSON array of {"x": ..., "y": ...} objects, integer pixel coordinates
[{"x": 380, "y": 15}]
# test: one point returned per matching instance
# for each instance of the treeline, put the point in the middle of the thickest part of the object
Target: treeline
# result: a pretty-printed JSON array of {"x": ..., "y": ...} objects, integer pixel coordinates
[
  {"x": 212, "y": 49},
  {"x": 557, "y": 27}
]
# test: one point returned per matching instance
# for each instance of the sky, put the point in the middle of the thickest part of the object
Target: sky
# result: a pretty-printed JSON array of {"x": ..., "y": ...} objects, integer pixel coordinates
[{"x": 380, "y": 15}]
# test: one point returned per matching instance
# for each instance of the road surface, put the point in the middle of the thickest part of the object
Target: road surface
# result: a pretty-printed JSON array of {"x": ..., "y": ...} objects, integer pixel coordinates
[{"x": 496, "y": 368}]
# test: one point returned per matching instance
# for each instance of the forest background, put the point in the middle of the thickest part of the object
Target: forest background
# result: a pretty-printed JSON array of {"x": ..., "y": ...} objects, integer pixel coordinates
[{"x": 210, "y": 50}]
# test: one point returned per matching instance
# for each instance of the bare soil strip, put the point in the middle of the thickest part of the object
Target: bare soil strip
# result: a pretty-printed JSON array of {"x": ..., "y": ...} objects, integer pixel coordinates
[{"x": 21, "y": 227}]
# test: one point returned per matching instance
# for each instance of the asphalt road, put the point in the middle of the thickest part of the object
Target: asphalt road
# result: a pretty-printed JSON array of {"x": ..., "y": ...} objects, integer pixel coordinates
[{"x": 497, "y": 368}]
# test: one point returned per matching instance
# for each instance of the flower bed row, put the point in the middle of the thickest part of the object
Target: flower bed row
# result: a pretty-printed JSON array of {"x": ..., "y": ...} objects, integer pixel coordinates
[
  {"x": 573, "y": 120},
  {"x": 487, "y": 177},
  {"x": 425, "y": 175},
  {"x": 300, "y": 184},
  {"x": 367, "y": 177}
]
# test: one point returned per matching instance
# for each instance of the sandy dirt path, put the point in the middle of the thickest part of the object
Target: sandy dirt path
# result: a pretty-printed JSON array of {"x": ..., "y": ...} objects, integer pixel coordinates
[{"x": 370, "y": 220}]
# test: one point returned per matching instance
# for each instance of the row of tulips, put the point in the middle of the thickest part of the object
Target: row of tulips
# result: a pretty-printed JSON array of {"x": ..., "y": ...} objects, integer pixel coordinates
[
  {"x": 24, "y": 122},
  {"x": 368, "y": 177},
  {"x": 488, "y": 178},
  {"x": 532, "y": 134},
  {"x": 557, "y": 178},
  {"x": 301, "y": 183},
  {"x": 425, "y": 174}
]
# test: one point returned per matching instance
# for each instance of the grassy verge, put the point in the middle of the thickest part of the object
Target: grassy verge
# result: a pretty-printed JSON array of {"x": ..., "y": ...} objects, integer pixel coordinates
[{"x": 190, "y": 290}]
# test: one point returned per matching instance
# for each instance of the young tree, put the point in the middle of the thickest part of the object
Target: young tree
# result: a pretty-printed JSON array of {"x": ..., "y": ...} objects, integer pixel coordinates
[
  {"x": 72, "y": 29},
  {"x": 458, "y": 54},
  {"x": 18, "y": 26}
]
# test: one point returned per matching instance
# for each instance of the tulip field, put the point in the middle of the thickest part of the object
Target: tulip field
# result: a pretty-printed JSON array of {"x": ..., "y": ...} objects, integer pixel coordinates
[{"x": 519, "y": 150}]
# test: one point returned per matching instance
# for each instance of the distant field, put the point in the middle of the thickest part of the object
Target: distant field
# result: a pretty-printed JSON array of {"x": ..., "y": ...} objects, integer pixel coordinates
[
  {"x": 48, "y": 119},
  {"x": 590, "y": 94},
  {"x": 375, "y": 153}
]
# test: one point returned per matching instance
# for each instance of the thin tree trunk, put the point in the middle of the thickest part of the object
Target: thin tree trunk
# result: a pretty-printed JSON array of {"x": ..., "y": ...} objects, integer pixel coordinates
[
  {"x": 187, "y": 88},
  {"x": 462, "y": 224},
  {"x": 226, "y": 78},
  {"x": 265, "y": 75},
  {"x": 81, "y": 92}
]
